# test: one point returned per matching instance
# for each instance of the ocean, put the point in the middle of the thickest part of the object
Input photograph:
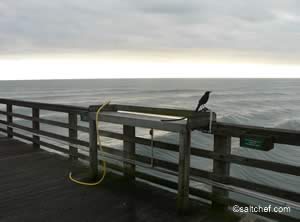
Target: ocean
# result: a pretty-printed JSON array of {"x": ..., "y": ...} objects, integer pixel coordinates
[{"x": 259, "y": 102}]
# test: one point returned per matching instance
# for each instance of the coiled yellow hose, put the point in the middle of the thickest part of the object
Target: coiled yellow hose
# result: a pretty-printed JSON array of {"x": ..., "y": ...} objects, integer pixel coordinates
[{"x": 100, "y": 148}]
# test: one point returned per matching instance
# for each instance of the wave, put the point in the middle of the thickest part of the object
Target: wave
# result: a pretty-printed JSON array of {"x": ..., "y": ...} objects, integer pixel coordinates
[{"x": 293, "y": 124}]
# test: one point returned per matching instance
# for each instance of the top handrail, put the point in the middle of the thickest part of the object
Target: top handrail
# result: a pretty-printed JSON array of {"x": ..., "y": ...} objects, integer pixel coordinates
[
  {"x": 45, "y": 106},
  {"x": 146, "y": 110}
]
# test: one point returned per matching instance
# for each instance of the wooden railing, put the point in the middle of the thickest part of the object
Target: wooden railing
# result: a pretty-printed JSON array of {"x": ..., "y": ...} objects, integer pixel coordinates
[
  {"x": 12, "y": 126},
  {"x": 220, "y": 178}
]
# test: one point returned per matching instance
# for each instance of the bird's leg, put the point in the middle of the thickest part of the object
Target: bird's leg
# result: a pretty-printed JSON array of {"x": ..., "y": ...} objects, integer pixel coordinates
[{"x": 203, "y": 108}]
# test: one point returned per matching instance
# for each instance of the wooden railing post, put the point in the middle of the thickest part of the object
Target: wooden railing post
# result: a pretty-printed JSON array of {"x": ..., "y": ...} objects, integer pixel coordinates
[
  {"x": 9, "y": 119},
  {"x": 36, "y": 127},
  {"x": 221, "y": 169},
  {"x": 73, "y": 134},
  {"x": 184, "y": 171},
  {"x": 129, "y": 152},
  {"x": 93, "y": 147}
]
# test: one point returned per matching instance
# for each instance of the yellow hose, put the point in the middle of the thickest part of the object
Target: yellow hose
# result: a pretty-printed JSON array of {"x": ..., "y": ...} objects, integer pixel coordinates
[{"x": 100, "y": 148}]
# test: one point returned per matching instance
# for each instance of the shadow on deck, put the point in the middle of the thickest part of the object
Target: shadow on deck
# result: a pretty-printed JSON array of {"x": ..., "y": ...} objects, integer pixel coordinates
[{"x": 34, "y": 186}]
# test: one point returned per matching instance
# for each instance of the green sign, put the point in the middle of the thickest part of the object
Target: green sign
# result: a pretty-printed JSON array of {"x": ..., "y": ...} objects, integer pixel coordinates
[{"x": 257, "y": 142}]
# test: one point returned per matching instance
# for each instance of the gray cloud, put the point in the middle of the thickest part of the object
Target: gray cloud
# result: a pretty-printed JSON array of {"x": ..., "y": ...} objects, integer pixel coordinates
[{"x": 30, "y": 26}]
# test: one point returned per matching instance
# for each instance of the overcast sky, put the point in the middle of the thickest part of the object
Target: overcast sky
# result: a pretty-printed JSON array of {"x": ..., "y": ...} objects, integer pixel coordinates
[{"x": 197, "y": 31}]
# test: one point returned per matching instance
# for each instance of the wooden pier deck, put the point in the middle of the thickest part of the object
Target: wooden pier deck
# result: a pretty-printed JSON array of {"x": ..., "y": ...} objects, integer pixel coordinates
[{"x": 34, "y": 187}]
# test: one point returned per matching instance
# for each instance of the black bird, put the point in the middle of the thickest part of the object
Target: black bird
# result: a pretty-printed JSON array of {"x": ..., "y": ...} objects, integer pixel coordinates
[{"x": 203, "y": 100}]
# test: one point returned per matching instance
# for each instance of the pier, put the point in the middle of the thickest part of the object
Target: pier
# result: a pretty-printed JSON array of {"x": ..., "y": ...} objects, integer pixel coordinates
[{"x": 32, "y": 176}]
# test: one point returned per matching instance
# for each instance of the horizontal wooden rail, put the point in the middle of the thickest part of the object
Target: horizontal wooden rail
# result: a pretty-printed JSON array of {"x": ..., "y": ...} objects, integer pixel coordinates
[
  {"x": 282, "y": 136},
  {"x": 229, "y": 180},
  {"x": 21, "y": 136},
  {"x": 49, "y": 134},
  {"x": 3, "y": 122},
  {"x": 41, "y": 142},
  {"x": 143, "y": 159},
  {"x": 21, "y": 116},
  {"x": 45, "y": 121},
  {"x": 54, "y": 147},
  {"x": 262, "y": 164},
  {"x": 3, "y": 112},
  {"x": 285, "y": 194},
  {"x": 45, "y": 106},
  {"x": 140, "y": 140},
  {"x": 137, "y": 120},
  {"x": 3, "y": 130},
  {"x": 149, "y": 110}
]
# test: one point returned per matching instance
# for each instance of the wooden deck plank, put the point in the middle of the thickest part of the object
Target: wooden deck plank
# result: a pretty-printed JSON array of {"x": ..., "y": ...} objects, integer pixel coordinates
[
  {"x": 34, "y": 187},
  {"x": 10, "y": 147}
]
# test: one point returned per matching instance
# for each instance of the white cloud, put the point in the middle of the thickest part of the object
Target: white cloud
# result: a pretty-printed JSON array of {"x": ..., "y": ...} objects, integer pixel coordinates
[{"x": 74, "y": 25}]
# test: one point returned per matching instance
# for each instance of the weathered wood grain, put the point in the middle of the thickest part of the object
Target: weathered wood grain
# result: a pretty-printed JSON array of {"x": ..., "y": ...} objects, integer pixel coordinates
[
  {"x": 222, "y": 145},
  {"x": 73, "y": 134},
  {"x": 93, "y": 149},
  {"x": 9, "y": 120},
  {"x": 36, "y": 127},
  {"x": 184, "y": 171},
  {"x": 129, "y": 152}
]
